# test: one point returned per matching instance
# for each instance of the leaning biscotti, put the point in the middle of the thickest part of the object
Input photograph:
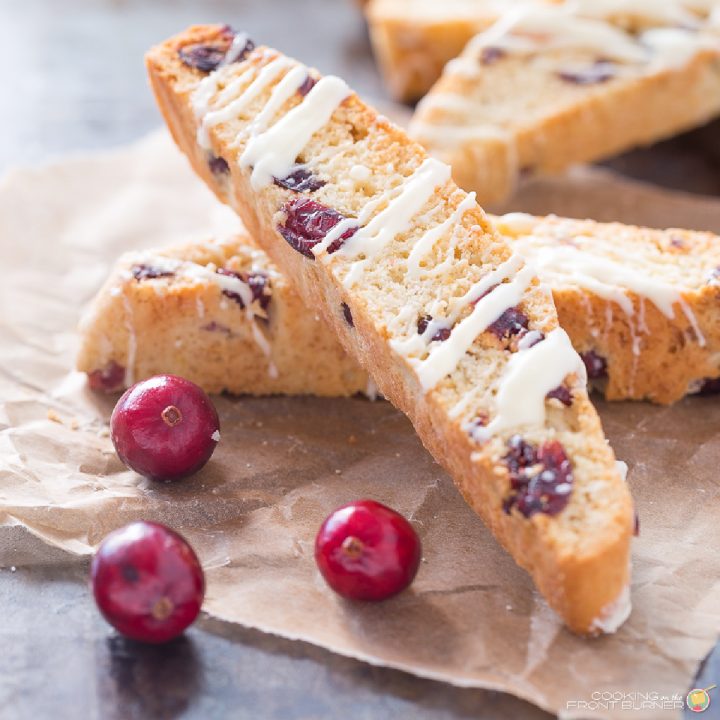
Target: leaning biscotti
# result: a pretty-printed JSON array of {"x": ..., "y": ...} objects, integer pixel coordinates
[
  {"x": 217, "y": 313},
  {"x": 548, "y": 86},
  {"x": 641, "y": 306},
  {"x": 454, "y": 328},
  {"x": 413, "y": 39}
]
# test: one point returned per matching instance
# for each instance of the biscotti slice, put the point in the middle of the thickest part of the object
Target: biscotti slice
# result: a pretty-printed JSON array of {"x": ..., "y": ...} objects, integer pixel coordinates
[
  {"x": 217, "y": 313},
  {"x": 454, "y": 328},
  {"x": 550, "y": 85},
  {"x": 413, "y": 39},
  {"x": 641, "y": 306}
]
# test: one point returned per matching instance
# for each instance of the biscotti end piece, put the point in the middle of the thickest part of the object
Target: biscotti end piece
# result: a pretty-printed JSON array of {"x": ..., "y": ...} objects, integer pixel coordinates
[
  {"x": 453, "y": 326},
  {"x": 641, "y": 306},
  {"x": 217, "y": 313},
  {"x": 554, "y": 84},
  {"x": 414, "y": 39}
]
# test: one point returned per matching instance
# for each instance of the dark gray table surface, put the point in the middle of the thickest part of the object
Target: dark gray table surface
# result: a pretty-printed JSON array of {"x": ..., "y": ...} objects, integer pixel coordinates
[{"x": 72, "y": 77}]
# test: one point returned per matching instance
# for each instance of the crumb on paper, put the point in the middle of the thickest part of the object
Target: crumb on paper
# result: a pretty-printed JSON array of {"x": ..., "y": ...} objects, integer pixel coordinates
[
  {"x": 54, "y": 417},
  {"x": 104, "y": 432},
  {"x": 74, "y": 424}
]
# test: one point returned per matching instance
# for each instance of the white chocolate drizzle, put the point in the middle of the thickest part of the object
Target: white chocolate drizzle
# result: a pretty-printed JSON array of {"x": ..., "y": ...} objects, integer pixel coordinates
[
  {"x": 445, "y": 357},
  {"x": 272, "y": 153},
  {"x": 271, "y": 150},
  {"x": 194, "y": 272},
  {"x": 529, "y": 375},
  {"x": 370, "y": 240}
]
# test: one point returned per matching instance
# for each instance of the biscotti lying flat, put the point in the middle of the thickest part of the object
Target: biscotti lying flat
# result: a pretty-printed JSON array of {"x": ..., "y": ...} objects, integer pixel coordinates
[
  {"x": 217, "y": 313},
  {"x": 553, "y": 84},
  {"x": 641, "y": 306},
  {"x": 414, "y": 39},
  {"x": 454, "y": 328}
]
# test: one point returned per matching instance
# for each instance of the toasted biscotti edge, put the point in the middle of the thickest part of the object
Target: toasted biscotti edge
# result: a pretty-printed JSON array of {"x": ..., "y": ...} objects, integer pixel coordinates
[
  {"x": 620, "y": 116},
  {"x": 137, "y": 328},
  {"x": 567, "y": 578}
]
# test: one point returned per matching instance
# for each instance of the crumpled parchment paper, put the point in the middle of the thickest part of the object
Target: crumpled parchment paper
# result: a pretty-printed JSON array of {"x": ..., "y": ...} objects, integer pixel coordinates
[{"x": 472, "y": 617}]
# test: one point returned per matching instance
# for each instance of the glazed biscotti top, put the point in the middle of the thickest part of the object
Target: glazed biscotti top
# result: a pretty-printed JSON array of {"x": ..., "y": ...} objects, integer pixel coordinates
[
  {"x": 551, "y": 84},
  {"x": 453, "y": 326}
]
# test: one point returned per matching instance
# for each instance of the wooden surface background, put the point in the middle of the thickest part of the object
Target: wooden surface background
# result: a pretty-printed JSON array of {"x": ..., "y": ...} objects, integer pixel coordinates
[{"x": 72, "y": 77}]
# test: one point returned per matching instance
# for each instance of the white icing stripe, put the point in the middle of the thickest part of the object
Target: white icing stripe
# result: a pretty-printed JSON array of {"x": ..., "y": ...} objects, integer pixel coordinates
[
  {"x": 444, "y": 358},
  {"x": 427, "y": 242},
  {"x": 281, "y": 93},
  {"x": 395, "y": 218},
  {"x": 528, "y": 377},
  {"x": 272, "y": 153},
  {"x": 230, "y": 109}
]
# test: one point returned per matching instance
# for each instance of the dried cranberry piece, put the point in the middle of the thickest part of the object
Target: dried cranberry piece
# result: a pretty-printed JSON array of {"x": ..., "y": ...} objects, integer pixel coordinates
[
  {"x": 490, "y": 55},
  {"x": 512, "y": 322},
  {"x": 540, "y": 479},
  {"x": 301, "y": 180},
  {"x": 205, "y": 58},
  {"x": 218, "y": 165},
  {"x": 148, "y": 272},
  {"x": 308, "y": 84},
  {"x": 595, "y": 364},
  {"x": 440, "y": 336},
  {"x": 710, "y": 387},
  {"x": 259, "y": 285},
  {"x": 347, "y": 315},
  {"x": 600, "y": 72},
  {"x": 308, "y": 222},
  {"x": 108, "y": 379},
  {"x": 563, "y": 394},
  {"x": 226, "y": 49},
  {"x": 636, "y": 525}
]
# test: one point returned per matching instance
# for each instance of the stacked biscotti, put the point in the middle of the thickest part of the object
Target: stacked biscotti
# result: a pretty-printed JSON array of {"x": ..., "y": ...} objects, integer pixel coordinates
[
  {"x": 217, "y": 313},
  {"x": 406, "y": 269},
  {"x": 551, "y": 84},
  {"x": 639, "y": 305}
]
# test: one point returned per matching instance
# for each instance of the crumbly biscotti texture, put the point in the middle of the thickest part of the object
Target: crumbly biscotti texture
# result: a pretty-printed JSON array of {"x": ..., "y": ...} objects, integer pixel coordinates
[
  {"x": 546, "y": 88},
  {"x": 641, "y": 306},
  {"x": 414, "y": 39},
  {"x": 345, "y": 203},
  {"x": 183, "y": 311}
]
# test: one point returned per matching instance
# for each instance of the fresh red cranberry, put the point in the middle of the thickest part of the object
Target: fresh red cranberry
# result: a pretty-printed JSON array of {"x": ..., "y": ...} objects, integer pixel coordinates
[
  {"x": 259, "y": 285},
  {"x": 307, "y": 85},
  {"x": 512, "y": 322},
  {"x": 600, "y": 72},
  {"x": 541, "y": 480},
  {"x": 147, "y": 582},
  {"x": 595, "y": 364},
  {"x": 300, "y": 180},
  {"x": 366, "y": 551},
  {"x": 108, "y": 379},
  {"x": 165, "y": 428},
  {"x": 440, "y": 335},
  {"x": 347, "y": 315},
  {"x": 563, "y": 394},
  {"x": 148, "y": 272},
  {"x": 308, "y": 222}
]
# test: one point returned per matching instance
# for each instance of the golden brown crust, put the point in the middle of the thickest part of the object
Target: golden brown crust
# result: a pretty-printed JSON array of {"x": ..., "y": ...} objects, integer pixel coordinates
[
  {"x": 184, "y": 325},
  {"x": 580, "y": 572}
]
